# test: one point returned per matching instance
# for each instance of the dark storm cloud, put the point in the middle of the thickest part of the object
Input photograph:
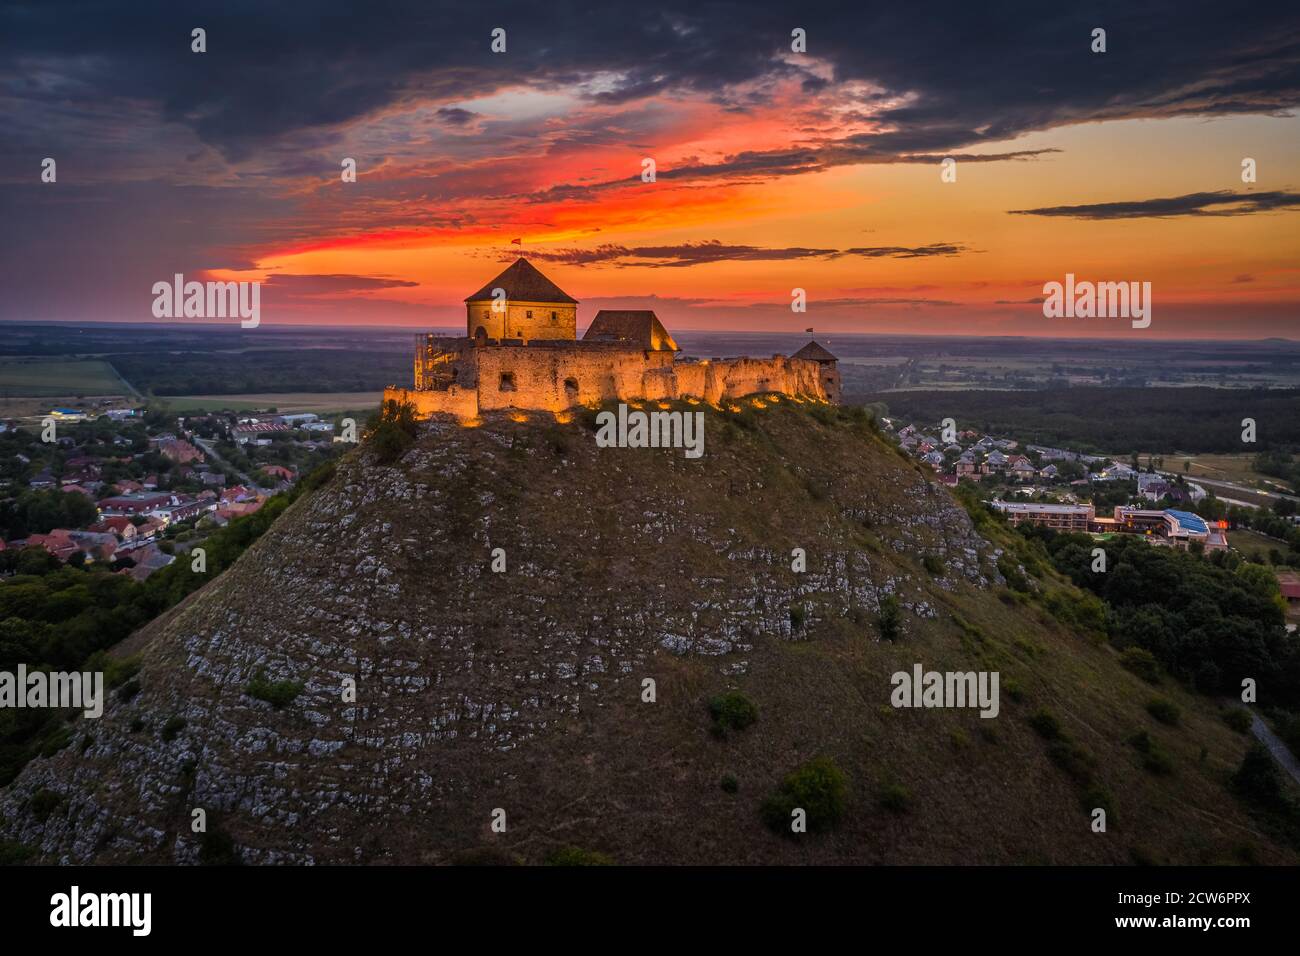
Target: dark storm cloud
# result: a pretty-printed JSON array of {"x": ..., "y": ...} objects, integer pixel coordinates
[
  {"x": 963, "y": 74},
  {"x": 1220, "y": 203},
  {"x": 700, "y": 253},
  {"x": 327, "y": 284},
  {"x": 455, "y": 116}
]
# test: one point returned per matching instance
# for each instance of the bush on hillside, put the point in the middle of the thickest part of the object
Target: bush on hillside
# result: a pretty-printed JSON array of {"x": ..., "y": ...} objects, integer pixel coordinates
[
  {"x": 818, "y": 788},
  {"x": 733, "y": 710}
]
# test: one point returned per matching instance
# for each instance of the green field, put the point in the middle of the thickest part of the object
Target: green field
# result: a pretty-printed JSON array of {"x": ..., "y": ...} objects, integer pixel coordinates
[
  {"x": 284, "y": 402},
  {"x": 55, "y": 378},
  {"x": 1254, "y": 544}
]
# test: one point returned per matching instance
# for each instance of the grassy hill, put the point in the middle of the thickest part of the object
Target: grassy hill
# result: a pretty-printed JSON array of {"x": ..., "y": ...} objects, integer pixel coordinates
[{"x": 524, "y": 690}]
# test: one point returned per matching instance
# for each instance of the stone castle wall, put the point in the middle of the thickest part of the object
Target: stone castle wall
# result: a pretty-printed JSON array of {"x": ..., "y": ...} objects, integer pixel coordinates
[{"x": 556, "y": 377}]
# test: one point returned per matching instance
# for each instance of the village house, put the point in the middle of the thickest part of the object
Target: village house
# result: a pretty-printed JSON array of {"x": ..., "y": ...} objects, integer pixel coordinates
[
  {"x": 58, "y": 543},
  {"x": 120, "y": 527},
  {"x": 994, "y": 463},
  {"x": 138, "y": 503},
  {"x": 1153, "y": 487},
  {"x": 147, "y": 561},
  {"x": 259, "y": 433},
  {"x": 1021, "y": 468}
]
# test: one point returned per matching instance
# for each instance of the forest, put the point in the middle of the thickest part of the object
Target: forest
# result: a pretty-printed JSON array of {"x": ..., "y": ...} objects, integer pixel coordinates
[{"x": 1115, "y": 421}]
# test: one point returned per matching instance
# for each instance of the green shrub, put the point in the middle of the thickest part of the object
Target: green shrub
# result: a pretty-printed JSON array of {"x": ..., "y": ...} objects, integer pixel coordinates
[
  {"x": 276, "y": 693},
  {"x": 818, "y": 787},
  {"x": 217, "y": 848},
  {"x": 895, "y": 798},
  {"x": 1154, "y": 757},
  {"x": 1073, "y": 759},
  {"x": 394, "y": 431},
  {"x": 43, "y": 803},
  {"x": 934, "y": 564},
  {"x": 1009, "y": 570},
  {"x": 730, "y": 784},
  {"x": 891, "y": 619},
  {"x": 1288, "y": 728},
  {"x": 1077, "y": 609},
  {"x": 1239, "y": 719},
  {"x": 318, "y": 477},
  {"x": 1142, "y": 663},
  {"x": 1258, "y": 778},
  {"x": 1094, "y": 796},
  {"x": 733, "y": 710},
  {"x": 14, "y": 854},
  {"x": 172, "y": 728},
  {"x": 1047, "y": 726},
  {"x": 56, "y": 740},
  {"x": 797, "y": 615},
  {"x": 576, "y": 856},
  {"x": 1164, "y": 711}
]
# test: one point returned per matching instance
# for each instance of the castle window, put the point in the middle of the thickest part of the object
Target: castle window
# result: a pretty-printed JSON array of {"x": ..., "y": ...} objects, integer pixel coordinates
[
  {"x": 529, "y": 313},
  {"x": 571, "y": 387},
  {"x": 555, "y": 317},
  {"x": 507, "y": 381}
]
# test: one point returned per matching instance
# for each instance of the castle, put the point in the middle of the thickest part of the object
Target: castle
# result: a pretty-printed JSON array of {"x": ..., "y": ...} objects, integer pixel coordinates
[{"x": 521, "y": 351}]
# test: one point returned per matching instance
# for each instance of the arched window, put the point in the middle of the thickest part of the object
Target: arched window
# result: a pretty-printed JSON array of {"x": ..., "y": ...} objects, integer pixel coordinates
[
  {"x": 507, "y": 381},
  {"x": 571, "y": 388}
]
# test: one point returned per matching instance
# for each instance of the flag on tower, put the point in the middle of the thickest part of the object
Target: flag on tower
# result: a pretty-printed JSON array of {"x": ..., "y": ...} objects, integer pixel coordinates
[{"x": 516, "y": 242}]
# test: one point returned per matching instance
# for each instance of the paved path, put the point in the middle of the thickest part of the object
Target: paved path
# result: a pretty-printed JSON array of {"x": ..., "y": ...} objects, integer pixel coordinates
[{"x": 1264, "y": 733}]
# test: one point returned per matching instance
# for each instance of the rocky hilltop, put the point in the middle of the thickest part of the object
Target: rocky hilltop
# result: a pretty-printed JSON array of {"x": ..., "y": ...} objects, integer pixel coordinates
[{"x": 524, "y": 690}]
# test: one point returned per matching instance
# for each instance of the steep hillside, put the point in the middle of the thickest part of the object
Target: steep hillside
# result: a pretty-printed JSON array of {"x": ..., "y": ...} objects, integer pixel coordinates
[{"x": 523, "y": 690}]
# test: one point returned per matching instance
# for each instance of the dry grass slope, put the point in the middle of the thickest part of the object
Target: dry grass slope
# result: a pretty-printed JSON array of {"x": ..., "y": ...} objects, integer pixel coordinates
[{"x": 523, "y": 690}]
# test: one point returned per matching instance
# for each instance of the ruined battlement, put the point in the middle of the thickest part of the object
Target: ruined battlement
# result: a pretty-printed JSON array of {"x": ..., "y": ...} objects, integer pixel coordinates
[{"x": 534, "y": 363}]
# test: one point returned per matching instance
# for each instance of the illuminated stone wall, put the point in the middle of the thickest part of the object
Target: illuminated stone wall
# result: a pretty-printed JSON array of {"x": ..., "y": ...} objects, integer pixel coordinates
[{"x": 466, "y": 379}]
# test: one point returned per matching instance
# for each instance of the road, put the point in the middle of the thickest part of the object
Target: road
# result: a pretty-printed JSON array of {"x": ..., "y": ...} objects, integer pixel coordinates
[
  {"x": 210, "y": 449},
  {"x": 1219, "y": 485},
  {"x": 1264, "y": 734}
]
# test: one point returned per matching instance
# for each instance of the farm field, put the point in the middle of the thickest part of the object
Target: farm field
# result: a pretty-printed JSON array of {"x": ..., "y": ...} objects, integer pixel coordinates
[
  {"x": 284, "y": 402},
  {"x": 1237, "y": 468},
  {"x": 54, "y": 378}
]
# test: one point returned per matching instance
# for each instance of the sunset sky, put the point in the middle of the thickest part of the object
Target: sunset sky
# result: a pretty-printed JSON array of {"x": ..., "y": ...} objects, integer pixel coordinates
[{"x": 775, "y": 169}]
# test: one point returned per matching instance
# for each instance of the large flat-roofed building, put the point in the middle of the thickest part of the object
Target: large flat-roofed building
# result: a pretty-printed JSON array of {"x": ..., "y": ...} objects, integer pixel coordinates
[
  {"x": 1056, "y": 517},
  {"x": 1139, "y": 520},
  {"x": 1182, "y": 528}
]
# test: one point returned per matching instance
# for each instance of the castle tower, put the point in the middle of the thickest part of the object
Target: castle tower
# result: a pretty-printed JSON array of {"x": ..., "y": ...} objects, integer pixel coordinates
[
  {"x": 828, "y": 365},
  {"x": 534, "y": 307}
]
